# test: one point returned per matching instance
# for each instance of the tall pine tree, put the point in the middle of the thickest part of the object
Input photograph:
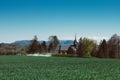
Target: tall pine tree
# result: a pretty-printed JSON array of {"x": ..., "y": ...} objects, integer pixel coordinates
[
  {"x": 34, "y": 46},
  {"x": 103, "y": 50},
  {"x": 44, "y": 47}
]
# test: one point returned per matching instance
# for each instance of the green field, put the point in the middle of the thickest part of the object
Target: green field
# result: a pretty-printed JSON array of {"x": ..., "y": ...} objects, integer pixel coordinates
[{"x": 58, "y": 68}]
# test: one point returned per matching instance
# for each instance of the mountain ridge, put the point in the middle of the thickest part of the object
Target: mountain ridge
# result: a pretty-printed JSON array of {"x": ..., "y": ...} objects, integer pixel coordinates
[{"x": 27, "y": 42}]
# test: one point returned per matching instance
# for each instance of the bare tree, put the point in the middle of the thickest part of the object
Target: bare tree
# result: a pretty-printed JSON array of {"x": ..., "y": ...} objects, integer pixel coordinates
[{"x": 53, "y": 43}]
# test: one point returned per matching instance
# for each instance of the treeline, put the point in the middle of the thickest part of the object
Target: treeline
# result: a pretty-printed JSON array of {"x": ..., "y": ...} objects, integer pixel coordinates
[
  {"x": 8, "y": 49},
  {"x": 106, "y": 49},
  {"x": 84, "y": 48},
  {"x": 36, "y": 47}
]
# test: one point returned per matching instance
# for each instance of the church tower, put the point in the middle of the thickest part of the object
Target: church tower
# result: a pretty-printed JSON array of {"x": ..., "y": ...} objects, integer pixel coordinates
[{"x": 75, "y": 42}]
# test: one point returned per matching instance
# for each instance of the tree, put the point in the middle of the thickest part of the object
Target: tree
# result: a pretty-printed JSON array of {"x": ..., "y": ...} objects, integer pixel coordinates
[
  {"x": 33, "y": 48},
  {"x": 81, "y": 47},
  {"x": 114, "y": 46},
  {"x": 94, "y": 51},
  {"x": 22, "y": 51},
  {"x": 103, "y": 50},
  {"x": 50, "y": 47},
  {"x": 71, "y": 50},
  {"x": 53, "y": 43},
  {"x": 43, "y": 47},
  {"x": 39, "y": 48},
  {"x": 85, "y": 47}
]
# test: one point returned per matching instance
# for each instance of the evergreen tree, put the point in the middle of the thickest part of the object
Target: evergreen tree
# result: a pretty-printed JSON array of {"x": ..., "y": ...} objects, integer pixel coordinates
[
  {"x": 103, "y": 50},
  {"x": 94, "y": 51},
  {"x": 33, "y": 48},
  {"x": 81, "y": 47},
  {"x": 44, "y": 47},
  {"x": 39, "y": 48}
]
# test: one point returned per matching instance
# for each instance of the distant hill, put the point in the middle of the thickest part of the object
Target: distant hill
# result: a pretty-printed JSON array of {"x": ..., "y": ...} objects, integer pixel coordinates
[
  {"x": 66, "y": 42},
  {"x": 27, "y": 42},
  {"x": 22, "y": 43}
]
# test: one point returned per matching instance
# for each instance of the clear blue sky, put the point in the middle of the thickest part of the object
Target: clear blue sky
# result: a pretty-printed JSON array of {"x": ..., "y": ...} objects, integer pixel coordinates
[{"x": 22, "y": 19}]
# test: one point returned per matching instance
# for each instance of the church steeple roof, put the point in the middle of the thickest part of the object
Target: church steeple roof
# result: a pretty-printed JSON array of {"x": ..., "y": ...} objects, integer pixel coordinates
[
  {"x": 75, "y": 38},
  {"x": 75, "y": 41}
]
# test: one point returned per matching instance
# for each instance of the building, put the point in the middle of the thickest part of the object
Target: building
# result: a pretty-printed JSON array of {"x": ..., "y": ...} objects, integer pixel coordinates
[{"x": 68, "y": 49}]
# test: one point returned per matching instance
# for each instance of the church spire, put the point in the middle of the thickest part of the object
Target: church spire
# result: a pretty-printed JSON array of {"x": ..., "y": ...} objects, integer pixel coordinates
[
  {"x": 75, "y": 37},
  {"x": 75, "y": 41}
]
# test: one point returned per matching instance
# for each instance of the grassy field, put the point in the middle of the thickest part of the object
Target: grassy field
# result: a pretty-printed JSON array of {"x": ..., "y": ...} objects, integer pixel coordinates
[{"x": 58, "y": 68}]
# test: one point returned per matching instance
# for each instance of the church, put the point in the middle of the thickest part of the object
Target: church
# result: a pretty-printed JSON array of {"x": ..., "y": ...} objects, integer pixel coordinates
[{"x": 68, "y": 49}]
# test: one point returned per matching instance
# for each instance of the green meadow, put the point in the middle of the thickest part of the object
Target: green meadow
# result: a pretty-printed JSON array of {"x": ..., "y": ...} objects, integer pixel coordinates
[{"x": 58, "y": 68}]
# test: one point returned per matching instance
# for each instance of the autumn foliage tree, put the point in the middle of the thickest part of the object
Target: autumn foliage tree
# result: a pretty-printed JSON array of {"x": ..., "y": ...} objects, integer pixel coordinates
[{"x": 85, "y": 47}]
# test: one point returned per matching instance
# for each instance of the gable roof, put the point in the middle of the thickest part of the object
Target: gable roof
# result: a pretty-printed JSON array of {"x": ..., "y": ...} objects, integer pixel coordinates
[{"x": 64, "y": 47}]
